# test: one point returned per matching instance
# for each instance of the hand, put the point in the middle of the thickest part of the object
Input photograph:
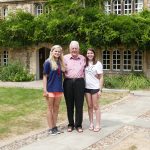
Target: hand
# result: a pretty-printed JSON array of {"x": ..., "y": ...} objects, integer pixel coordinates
[
  {"x": 45, "y": 93},
  {"x": 97, "y": 76},
  {"x": 99, "y": 94}
]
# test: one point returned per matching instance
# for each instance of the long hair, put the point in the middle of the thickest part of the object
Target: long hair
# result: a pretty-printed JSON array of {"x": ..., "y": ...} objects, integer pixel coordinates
[
  {"x": 94, "y": 58},
  {"x": 60, "y": 59}
]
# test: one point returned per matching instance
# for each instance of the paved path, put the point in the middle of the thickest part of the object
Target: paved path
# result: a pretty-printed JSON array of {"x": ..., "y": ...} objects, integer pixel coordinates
[
  {"x": 118, "y": 120},
  {"x": 128, "y": 113},
  {"x": 32, "y": 84}
]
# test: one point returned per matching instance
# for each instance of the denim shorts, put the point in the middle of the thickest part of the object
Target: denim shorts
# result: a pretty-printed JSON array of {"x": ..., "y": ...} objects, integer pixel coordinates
[{"x": 91, "y": 91}]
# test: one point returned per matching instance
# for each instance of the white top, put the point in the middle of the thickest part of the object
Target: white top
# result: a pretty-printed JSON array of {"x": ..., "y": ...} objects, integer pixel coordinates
[{"x": 91, "y": 81}]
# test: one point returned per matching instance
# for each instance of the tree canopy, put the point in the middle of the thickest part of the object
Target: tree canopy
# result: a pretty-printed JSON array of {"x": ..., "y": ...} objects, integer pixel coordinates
[{"x": 73, "y": 20}]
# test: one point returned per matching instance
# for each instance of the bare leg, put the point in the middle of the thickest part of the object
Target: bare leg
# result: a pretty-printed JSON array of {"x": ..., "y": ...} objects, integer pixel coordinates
[
  {"x": 96, "y": 107},
  {"x": 50, "y": 112},
  {"x": 56, "y": 104},
  {"x": 90, "y": 109}
]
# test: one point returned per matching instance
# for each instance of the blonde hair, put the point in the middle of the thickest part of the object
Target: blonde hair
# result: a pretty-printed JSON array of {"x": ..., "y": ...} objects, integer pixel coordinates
[{"x": 60, "y": 59}]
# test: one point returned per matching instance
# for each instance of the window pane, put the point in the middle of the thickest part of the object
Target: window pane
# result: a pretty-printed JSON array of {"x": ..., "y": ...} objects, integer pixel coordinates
[
  {"x": 106, "y": 59},
  {"x": 116, "y": 60},
  {"x": 138, "y": 61},
  {"x": 127, "y": 60}
]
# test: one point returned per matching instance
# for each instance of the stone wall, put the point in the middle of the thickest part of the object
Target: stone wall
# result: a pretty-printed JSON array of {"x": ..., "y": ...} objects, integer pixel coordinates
[
  {"x": 29, "y": 57},
  {"x": 147, "y": 64}
]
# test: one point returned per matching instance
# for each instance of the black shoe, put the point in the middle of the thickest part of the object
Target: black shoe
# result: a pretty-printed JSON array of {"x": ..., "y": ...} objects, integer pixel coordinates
[
  {"x": 52, "y": 131},
  {"x": 57, "y": 130}
]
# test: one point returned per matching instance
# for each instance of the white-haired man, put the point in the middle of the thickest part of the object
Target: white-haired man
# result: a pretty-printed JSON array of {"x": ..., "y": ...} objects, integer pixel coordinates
[{"x": 74, "y": 86}]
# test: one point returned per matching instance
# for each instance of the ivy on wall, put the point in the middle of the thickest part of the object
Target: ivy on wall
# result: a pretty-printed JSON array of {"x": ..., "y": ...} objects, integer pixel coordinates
[{"x": 90, "y": 26}]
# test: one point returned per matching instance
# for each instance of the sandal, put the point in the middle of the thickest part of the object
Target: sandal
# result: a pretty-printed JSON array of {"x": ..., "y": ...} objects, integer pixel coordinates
[
  {"x": 97, "y": 129},
  {"x": 91, "y": 127},
  {"x": 70, "y": 129},
  {"x": 79, "y": 129}
]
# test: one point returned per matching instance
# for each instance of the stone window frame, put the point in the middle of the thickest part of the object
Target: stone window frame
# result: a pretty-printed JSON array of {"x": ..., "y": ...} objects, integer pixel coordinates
[
  {"x": 106, "y": 59},
  {"x": 138, "y": 6},
  {"x": 39, "y": 8},
  {"x": 107, "y": 7},
  {"x": 4, "y": 12},
  {"x": 128, "y": 7},
  {"x": 117, "y": 7},
  {"x": 135, "y": 6},
  {"x": 134, "y": 60},
  {"x": 4, "y": 58},
  {"x": 138, "y": 61},
  {"x": 127, "y": 57},
  {"x": 116, "y": 60}
]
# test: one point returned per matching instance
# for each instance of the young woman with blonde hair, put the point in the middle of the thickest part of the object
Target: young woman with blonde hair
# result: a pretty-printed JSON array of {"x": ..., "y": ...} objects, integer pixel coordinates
[{"x": 53, "y": 69}]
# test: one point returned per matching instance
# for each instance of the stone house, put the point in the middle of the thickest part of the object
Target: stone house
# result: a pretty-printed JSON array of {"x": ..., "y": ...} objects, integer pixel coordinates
[{"x": 116, "y": 60}]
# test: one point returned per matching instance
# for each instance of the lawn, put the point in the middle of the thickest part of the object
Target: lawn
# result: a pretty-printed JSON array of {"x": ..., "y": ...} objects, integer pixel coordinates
[{"x": 24, "y": 110}]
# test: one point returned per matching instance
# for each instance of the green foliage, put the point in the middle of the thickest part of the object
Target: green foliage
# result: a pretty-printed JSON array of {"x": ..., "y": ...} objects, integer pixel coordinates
[
  {"x": 15, "y": 72},
  {"x": 40, "y": 34},
  {"x": 69, "y": 20},
  {"x": 17, "y": 30},
  {"x": 113, "y": 81},
  {"x": 136, "y": 81},
  {"x": 131, "y": 81}
]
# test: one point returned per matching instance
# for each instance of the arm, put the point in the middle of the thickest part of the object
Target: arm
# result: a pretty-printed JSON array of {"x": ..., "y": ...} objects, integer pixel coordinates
[
  {"x": 45, "y": 85},
  {"x": 101, "y": 82}
]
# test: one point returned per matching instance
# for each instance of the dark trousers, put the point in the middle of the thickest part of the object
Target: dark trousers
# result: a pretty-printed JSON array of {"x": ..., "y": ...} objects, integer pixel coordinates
[{"x": 74, "y": 97}]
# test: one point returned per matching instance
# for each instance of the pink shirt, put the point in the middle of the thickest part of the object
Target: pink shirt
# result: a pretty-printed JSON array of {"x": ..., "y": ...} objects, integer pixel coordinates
[{"x": 74, "y": 67}]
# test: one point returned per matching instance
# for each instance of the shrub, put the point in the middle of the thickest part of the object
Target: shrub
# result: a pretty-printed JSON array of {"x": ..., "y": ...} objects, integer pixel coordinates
[
  {"x": 15, "y": 71},
  {"x": 132, "y": 81},
  {"x": 136, "y": 81},
  {"x": 114, "y": 81}
]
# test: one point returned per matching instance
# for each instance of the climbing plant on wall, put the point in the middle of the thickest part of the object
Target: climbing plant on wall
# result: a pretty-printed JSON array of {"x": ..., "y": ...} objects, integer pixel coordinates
[{"x": 89, "y": 25}]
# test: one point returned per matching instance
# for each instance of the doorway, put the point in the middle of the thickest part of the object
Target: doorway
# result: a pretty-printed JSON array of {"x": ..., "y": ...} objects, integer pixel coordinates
[{"x": 43, "y": 55}]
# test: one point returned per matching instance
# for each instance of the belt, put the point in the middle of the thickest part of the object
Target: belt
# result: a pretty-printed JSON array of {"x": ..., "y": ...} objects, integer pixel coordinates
[{"x": 74, "y": 79}]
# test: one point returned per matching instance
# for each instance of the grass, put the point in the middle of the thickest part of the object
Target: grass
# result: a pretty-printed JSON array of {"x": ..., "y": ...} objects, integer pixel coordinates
[
  {"x": 24, "y": 110},
  {"x": 133, "y": 147}
]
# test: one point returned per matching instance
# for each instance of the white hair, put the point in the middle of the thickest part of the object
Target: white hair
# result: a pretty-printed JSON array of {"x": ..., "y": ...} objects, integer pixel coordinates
[{"x": 72, "y": 43}]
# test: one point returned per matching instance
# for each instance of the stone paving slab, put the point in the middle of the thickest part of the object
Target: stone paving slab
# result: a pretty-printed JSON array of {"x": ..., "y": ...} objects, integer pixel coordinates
[
  {"x": 32, "y": 84},
  {"x": 117, "y": 123}
]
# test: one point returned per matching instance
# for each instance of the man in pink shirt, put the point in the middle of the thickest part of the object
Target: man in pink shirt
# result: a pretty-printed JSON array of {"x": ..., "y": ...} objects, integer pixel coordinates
[{"x": 74, "y": 86}]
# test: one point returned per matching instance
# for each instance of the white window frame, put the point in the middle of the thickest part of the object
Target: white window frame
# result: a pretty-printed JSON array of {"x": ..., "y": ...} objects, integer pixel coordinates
[
  {"x": 5, "y": 12},
  {"x": 39, "y": 9},
  {"x": 107, "y": 7},
  {"x": 46, "y": 10},
  {"x": 4, "y": 58},
  {"x": 115, "y": 65},
  {"x": 106, "y": 60},
  {"x": 127, "y": 60},
  {"x": 138, "y": 56},
  {"x": 128, "y": 4},
  {"x": 116, "y": 5},
  {"x": 138, "y": 5}
]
